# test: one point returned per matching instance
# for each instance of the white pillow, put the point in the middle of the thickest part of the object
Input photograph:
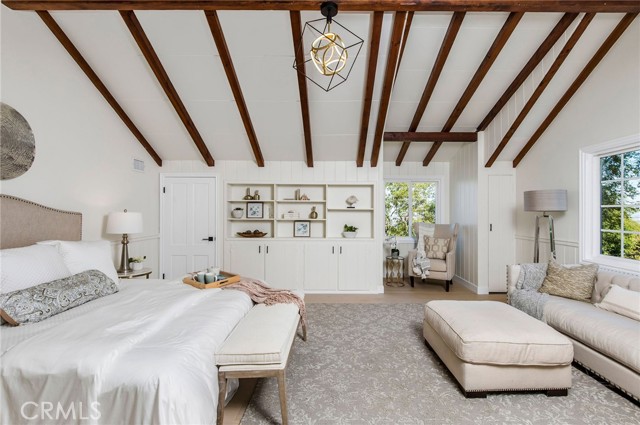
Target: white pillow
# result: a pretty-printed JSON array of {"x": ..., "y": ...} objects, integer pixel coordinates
[
  {"x": 621, "y": 301},
  {"x": 80, "y": 256},
  {"x": 22, "y": 268}
]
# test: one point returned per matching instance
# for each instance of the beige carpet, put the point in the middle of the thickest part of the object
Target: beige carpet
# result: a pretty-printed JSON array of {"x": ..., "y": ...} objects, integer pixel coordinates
[{"x": 367, "y": 364}]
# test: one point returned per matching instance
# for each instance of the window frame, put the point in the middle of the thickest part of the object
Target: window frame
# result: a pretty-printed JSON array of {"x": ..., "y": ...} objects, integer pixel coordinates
[
  {"x": 589, "y": 205},
  {"x": 437, "y": 181}
]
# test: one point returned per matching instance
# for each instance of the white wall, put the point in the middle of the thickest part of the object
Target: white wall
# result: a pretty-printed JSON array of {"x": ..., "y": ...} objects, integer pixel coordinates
[
  {"x": 606, "y": 107},
  {"x": 464, "y": 211},
  {"x": 83, "y": 151},
  {"x": 283, "y": 172}
]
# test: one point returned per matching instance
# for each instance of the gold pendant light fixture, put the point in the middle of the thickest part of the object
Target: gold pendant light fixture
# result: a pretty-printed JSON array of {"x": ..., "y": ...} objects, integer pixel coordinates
[{"x": 328, "y": 52}]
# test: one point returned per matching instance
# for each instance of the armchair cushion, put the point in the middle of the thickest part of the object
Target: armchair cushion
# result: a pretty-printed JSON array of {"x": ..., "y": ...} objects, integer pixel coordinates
[
  {"x": 438, "y": 266},
  {"x": 436, "y": 248}
]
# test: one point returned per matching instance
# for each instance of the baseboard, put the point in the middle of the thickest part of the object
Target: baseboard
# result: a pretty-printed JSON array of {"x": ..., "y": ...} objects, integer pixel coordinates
[{"x": 469, "y": 285}]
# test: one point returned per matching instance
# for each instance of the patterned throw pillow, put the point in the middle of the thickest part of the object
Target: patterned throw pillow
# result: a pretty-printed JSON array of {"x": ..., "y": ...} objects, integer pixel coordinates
[
  {"x": 436, "y": 248},
  {"x": 575, "y": 283},
  {"x": 39, "y": 302}
]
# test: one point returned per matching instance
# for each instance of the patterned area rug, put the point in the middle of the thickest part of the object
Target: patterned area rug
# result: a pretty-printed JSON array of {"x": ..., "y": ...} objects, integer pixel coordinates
[{"x": 367, "y": 364}]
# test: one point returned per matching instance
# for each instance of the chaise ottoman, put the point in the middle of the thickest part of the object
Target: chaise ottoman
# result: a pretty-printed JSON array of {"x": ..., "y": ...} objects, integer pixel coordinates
[{"x": 491, "y": 346}]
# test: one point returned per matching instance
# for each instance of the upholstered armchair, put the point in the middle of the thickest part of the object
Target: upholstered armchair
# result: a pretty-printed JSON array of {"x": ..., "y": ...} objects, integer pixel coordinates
[{"x": 440, "y": 269}]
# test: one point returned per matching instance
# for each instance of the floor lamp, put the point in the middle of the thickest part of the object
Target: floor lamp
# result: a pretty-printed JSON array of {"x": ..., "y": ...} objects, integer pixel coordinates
[
  {"x": 544, "y": 201},
  {"x": 124, "y": 223}
]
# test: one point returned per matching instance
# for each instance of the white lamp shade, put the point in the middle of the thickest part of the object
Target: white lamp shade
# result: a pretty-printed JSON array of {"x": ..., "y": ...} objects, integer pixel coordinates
[
  {"x": 545, "y": 200},
  {"x": 124, "y": 222}
]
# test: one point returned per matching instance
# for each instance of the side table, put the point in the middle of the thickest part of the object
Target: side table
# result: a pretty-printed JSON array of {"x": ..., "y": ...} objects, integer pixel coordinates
[
  {"x": 395, "y": 271},
  {"x": 135, "y": 273}
]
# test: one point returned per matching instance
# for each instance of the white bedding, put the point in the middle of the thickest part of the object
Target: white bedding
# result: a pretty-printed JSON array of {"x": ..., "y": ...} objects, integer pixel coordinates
[{"x": 142, "y": 355}]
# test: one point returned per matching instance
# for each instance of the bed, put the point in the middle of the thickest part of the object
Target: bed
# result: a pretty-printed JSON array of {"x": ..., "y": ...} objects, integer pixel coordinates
[{"x": 142, "y": 355}]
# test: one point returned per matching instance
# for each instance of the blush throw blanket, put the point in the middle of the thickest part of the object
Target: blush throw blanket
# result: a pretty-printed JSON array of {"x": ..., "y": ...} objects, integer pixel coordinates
[{"x": 261, "y": 293}]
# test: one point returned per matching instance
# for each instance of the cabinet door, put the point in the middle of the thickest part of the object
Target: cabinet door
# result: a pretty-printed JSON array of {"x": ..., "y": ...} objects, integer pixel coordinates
[
  {"x": 356, "y": 266},
  {"x": 246, "y": 259},
  {"x": 321, "y": 266},
  {"x": 283, "y": 264}
]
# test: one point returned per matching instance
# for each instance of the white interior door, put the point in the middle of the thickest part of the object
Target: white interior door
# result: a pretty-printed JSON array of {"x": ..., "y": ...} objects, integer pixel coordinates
[
  {"x": 188, "y": 235},
  {"x": 502, "y": 213}
]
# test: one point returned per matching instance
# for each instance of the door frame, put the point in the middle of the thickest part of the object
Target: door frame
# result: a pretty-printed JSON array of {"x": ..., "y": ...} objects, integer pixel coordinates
[{"x": 219, "y": 211}]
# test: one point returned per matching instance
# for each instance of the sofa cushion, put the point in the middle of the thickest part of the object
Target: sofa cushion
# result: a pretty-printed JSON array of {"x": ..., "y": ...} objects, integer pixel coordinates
[
  {"x": 570, "y": 282},
  {"x": 609, "y": 333},
  {"x": 606, "y": 279},
  {"x": 438, "y": 266},
  {"x": 490, "y": 332},
  {"x": 622, "y": 301}
]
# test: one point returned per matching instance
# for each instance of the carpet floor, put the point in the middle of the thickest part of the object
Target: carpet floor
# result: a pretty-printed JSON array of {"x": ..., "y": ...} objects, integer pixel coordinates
[{"x": 368, "y": 364}]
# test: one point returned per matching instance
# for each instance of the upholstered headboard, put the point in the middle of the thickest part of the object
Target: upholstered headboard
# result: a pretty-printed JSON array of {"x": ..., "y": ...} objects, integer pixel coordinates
[{"x": 24, "y": 223}]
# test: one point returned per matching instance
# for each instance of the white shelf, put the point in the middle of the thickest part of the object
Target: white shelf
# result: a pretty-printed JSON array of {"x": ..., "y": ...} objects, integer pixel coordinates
[
  {"x": 279, "y": 200},
  {"x": 242, "y": 201}
]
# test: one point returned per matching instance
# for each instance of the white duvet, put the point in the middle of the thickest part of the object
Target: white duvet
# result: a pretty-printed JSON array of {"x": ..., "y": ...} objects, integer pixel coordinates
[{"x": 142, "y": 355}]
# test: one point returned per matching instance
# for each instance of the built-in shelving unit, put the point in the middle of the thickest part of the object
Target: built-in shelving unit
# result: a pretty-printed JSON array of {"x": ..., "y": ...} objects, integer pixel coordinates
[{"x": 281, "y": 208}]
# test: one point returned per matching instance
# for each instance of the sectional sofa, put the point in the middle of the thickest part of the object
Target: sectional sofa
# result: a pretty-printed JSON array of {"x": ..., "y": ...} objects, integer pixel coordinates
[{"x": 606, "y": 343}]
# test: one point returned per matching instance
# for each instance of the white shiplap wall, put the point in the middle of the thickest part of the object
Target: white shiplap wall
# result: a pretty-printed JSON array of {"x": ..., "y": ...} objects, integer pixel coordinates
[
  {"x": 287, "y": 172},
  {"x": 464, "y": 211}
]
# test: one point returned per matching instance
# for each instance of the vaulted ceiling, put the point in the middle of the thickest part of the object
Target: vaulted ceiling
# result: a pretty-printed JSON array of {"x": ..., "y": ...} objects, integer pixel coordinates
[{"x": 220, "y": 84}]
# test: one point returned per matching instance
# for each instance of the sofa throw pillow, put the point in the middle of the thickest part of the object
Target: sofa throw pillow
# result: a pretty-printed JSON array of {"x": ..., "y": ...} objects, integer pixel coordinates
[
  {"x": 622, "y": 301},
  {"x": 39, "y": 302},
  {"x": 436, "y": 248},
  {"x": 575, "y": 283},
  {"x": 531, "y": 276}
]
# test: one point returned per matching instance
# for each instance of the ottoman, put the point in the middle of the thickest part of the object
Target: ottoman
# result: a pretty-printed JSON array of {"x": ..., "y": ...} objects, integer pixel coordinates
[{"x": 490, "y": 346}]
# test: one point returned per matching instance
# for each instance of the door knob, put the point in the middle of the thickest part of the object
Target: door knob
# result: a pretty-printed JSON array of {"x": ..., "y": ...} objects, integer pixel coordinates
[{"x": 210, "y": 239}]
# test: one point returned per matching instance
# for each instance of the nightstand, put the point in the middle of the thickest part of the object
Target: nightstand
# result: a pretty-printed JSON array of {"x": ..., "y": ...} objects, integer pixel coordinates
[{"x": 135, "y": 273}]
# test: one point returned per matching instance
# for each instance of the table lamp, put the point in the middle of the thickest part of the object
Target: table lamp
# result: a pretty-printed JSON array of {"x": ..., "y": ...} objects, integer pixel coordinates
[
  {"x": 544, "y": 201},
  {"x": 124, "y": 223}
]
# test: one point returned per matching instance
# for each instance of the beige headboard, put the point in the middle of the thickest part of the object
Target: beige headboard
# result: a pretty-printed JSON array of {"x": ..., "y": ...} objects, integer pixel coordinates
[{"x": 24, "y": 223}]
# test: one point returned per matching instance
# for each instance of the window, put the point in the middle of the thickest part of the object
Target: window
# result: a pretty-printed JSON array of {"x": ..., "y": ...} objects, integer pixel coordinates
[
  {"x": 406, "y": 202},
  {"x": 610, "y": 204},
  {"x": 620, "y": 205}
]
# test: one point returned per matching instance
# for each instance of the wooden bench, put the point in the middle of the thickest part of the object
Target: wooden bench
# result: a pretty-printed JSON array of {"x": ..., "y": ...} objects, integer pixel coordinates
[{"x": 259, "y": 347}]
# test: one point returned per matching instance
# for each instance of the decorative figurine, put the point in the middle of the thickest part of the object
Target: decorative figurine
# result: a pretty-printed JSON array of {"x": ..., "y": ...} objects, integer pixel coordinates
[
  {"x": 304, "y": 197},
  {"x": 314, "y": 213},
  {"x": 352, "y": 201},
  {"x": 248, "y": 196}
]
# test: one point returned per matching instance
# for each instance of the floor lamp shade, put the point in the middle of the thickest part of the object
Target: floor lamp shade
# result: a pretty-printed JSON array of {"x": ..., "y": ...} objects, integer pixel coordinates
[
  {"x": 124, "y": 223},
  {"x": 543, "y": 201}
]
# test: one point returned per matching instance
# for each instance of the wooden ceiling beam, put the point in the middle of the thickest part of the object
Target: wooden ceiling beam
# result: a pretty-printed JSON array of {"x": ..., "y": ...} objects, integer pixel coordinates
[
  {"x": 500, "y": 41},
  {"x": 296, "y": 32},
  {"x": 93, "y": 77},
  {"x": 387, "y": 84},
  {"x": 555, "y": 66},
  {"x": 436, "y": 70},
  {"x": 149, "y": 53},
  {"x": 227, "y": 64},
  {"x": 405, "y": 35},
  {"x": 392, "y": 136},
  {"x": 595, "y": 6},
  {"x": 535, "y": 59},
  {"x": 582, "y": 77},
  {"x": 372, "y": 65}
]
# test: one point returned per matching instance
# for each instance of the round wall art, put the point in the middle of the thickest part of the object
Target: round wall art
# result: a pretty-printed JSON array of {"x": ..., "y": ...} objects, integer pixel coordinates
[{"x": 17, "y": 145}]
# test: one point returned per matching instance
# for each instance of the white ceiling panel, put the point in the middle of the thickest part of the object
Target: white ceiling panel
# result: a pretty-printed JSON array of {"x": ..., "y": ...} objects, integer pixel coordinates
[{"x": 262, "y": 51}]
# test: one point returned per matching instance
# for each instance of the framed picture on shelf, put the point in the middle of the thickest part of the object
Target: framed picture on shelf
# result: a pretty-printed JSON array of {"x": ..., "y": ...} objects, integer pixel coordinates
[
  {"x": 301, "y": 229},
  {"x": 255, "y": 210}
]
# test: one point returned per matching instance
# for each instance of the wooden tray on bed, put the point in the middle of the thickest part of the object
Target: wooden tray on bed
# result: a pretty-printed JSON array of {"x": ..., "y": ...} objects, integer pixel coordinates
[{"x": 229, "y": 279}]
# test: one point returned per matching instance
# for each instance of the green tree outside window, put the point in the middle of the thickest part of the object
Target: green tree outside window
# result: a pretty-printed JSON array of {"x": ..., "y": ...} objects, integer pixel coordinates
[
  {"x": 620, "y": 205},
  {"x": 407, "y": 203}
]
